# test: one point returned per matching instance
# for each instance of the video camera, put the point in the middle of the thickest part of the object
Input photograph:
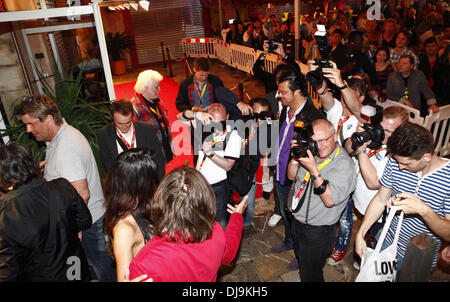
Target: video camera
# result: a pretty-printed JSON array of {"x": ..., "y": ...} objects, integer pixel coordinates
[
  {"x": 315, "y": 77},
  {"x": 302, "y": 134}
]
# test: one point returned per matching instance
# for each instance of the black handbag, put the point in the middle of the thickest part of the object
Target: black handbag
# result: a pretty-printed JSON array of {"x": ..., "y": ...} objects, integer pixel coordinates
[{"x": 240, "y": 177}]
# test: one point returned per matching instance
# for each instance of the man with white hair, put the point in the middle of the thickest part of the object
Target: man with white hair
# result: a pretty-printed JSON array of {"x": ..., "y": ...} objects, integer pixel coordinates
[{"x": 149, "y": 108}]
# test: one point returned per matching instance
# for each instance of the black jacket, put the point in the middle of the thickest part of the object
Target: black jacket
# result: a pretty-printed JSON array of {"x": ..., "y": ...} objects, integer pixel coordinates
[
  {"x": 145, "y": 137},
  {"x": 24, "y": 228}
]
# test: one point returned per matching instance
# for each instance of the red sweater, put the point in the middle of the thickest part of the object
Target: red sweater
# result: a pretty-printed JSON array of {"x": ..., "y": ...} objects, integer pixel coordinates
[{"x": 167, "y": 261}]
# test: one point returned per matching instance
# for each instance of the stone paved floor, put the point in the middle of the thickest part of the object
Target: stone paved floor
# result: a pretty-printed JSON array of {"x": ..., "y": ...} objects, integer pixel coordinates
[{"x": 255, "y": 262}]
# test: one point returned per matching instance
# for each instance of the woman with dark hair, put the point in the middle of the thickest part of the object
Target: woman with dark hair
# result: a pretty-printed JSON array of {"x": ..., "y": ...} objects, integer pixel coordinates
[
  {"x": 382, "y": 69},
  {"x": 189, "y": 245},
  {"x": 128, "y": 188},
  {"x": 39, "y": 223}
]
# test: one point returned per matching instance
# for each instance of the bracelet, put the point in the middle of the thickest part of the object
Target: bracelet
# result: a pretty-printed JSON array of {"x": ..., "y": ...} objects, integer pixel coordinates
[
  {"x": 294, "y": 162},
  {"x": 356, "y": 153},
  {"x": 322, "y": 188},
  {"x": 210, "y": 155}
]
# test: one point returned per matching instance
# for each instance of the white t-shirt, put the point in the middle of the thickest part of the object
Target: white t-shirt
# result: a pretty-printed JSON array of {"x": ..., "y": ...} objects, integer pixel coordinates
[
  {"x": 212, "y": 172},
  {"x": 363, "y": 195},
  {"x": 348, "y": 127},
  {"x": 70, "y": 156}
]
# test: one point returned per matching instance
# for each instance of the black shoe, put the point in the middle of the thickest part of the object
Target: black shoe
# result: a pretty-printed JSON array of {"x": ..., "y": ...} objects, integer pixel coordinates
[{"x": 266, "y": 195}]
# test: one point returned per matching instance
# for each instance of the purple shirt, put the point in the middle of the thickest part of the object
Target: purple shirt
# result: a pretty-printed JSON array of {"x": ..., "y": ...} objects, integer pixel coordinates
[{"x": 284, "y": 150}]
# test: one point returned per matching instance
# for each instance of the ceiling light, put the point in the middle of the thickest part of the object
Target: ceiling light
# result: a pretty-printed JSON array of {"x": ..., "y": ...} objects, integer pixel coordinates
[
  {"x": 111, "y": 8},
  {"x": 134, "y": 5},
  {"x": 126, "y": 5}
]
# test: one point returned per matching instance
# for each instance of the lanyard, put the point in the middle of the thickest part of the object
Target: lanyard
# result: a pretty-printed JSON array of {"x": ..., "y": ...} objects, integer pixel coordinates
[
  {"x": 320, "y": 167},
  {"x": 133, "y": 139},
  {"x": 341, "y": 122},
  {"x": 157, "y": 112},
  {"x": 374, "y": 152},
  {"x": 198, "y": 91}
]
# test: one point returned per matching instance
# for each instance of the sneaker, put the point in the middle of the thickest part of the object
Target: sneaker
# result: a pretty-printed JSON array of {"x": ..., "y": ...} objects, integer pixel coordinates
[
  {"x": 274, "y": 220},
  {"x": 280, "y": 248},
  {"x": 335, "y": 257},
  {"x": 266, "y": 195},
  {"x": 293, "y": 265},
  {"x": 356, "y": 265}
]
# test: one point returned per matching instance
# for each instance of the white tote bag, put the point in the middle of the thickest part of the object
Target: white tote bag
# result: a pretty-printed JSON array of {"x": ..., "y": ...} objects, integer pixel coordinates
[{"x": 381, "y": 266}]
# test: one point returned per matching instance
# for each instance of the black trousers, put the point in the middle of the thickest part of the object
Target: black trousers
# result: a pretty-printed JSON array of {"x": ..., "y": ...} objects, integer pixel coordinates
[{"x": 312, "y": 246}]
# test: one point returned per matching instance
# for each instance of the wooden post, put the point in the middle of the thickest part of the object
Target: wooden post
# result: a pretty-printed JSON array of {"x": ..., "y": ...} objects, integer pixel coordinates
[
  {"x": 418, "y": 259},
  {"x": 170, "y": 61},
  {"x": 162, "y": 51}
]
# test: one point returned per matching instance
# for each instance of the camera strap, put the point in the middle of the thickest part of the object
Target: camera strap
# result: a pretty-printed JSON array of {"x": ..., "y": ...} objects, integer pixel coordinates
[{"x": 303, "y": 186}]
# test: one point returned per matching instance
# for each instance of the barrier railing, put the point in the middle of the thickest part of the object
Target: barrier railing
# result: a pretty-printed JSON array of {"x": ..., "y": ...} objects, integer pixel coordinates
[{"x": 243, "y": 58}]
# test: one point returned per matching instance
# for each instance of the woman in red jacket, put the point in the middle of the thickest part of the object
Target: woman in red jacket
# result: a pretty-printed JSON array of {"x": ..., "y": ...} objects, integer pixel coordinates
[{"x": 188, "y": 244}]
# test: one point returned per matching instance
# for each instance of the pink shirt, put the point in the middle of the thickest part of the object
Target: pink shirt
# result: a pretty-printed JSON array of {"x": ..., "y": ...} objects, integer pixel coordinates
[{"x": 167, "y": 261}]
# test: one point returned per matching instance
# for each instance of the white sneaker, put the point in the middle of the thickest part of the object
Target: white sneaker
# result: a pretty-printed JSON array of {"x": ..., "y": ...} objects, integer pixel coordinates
[{"x": 274, "y": 220}]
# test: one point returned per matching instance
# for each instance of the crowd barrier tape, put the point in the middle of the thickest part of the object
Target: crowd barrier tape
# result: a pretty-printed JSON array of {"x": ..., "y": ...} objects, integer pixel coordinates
[{"x": 243, "y": 58}]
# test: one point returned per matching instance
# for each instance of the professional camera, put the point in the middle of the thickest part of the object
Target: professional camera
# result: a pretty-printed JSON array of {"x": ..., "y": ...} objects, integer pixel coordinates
[
  {"x": 373, "y": 133},
  {"x": 263, "y": 115},
  {"x": 302, "y": 134},
  {"x": 315, "y": 77},
  {"x": 273, "y": 44}
]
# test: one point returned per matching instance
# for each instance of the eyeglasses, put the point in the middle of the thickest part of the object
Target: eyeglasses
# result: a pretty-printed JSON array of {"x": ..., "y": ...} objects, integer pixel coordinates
[{"x": 324, "y": 140}]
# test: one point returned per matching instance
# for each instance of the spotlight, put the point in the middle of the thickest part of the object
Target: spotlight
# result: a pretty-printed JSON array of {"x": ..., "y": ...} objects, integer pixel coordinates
[
  {"x": 144, "y": 4},
  {"x": 126, "y": 5},
  {"x": 111, "y": 8}
]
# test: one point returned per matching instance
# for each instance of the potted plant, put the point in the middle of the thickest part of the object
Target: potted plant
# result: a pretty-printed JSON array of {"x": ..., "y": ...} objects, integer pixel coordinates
[{"x": 118, "y": 44}]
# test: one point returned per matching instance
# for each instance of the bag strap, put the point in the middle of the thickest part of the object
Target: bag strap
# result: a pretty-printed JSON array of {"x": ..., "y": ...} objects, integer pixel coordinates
[
  {"x": 386, "y": 227},
  {"x": 121, "y": 143}
]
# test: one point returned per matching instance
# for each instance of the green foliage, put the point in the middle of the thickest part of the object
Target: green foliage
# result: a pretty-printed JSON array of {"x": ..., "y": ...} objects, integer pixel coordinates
[
  {"x": 118, "y": 44},
  {"x": 87, "y": 117}
]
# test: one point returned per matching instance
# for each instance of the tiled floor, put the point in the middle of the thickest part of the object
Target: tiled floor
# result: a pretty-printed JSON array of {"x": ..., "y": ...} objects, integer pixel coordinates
[{"x": 255, "y": 262}]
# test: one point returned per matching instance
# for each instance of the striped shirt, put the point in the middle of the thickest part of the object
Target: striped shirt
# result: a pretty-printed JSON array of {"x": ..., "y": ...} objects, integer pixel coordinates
[{"x": 433, "y": 189}]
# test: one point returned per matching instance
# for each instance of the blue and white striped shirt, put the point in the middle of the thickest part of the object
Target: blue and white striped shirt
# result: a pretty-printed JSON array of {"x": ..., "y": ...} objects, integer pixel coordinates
[{"x": 433, "y": 189}]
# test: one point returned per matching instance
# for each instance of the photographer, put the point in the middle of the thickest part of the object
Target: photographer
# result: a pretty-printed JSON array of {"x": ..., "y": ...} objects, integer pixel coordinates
[
  {"x": 218, "y": 152},
  {"x": 318, "y": 198}
]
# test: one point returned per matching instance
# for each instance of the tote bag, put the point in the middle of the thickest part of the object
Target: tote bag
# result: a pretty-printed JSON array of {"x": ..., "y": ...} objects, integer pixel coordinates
[{"x": 381, "y": 266}]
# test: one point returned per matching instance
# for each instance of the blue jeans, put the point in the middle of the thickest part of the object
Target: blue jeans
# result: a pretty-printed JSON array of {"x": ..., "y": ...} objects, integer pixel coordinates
[
  {"x": 94, "y": 246},
  {"x": 282, "y": 193},
  {"x": 250, "y": 211},
  {"x": 313, "y": 245},
  {"x": 222, "y": 192},
  {"x": 345, "y": 228}
]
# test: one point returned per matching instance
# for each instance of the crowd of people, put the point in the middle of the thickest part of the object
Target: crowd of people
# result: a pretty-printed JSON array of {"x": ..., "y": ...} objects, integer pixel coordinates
[{"x": 60, "y": 222}]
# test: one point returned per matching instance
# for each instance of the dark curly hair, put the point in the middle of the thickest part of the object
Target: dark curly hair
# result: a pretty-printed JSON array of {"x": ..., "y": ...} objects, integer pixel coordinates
[
  {"x": 17, "y": 166},
  {"x": 410, "y": 140}
]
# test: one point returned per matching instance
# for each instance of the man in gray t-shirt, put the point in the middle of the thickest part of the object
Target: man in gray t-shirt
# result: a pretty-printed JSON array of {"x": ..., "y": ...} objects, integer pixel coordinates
[
  {"x": 68, "y": 155},
  {"x": 319, "y": 195}
]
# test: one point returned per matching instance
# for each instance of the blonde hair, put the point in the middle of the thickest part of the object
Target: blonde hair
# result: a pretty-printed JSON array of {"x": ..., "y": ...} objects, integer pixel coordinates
[{"x": 147, "y": 78}]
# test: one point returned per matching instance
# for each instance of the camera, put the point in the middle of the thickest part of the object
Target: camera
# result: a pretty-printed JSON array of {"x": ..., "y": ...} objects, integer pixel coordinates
[
  {"x": 302, "y": 134},
  {"x": 263, "y": 115},
  {"x": 273, "y": 44},
  {"x": 315, "y": 77},
  {"x": 372, "y": 132}
]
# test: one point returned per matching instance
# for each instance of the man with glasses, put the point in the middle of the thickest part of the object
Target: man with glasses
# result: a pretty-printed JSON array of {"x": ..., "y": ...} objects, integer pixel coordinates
[
  {"x": 123, "y": 134},
  {"x": 320, "y": 193}
]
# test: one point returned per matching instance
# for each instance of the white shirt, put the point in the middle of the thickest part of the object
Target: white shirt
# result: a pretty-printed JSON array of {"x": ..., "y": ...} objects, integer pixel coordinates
[
  {"x": 347, "y": 128},
  {"x": 128, "y": 138},
  {"x": 212, "y": 172}
]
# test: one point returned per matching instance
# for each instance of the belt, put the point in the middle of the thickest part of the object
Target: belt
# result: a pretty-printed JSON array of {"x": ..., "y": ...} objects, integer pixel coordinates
[{"x": 220, "y": 183}]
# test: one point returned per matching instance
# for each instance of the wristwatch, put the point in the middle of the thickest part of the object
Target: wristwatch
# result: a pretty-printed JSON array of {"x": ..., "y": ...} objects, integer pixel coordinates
[
  {"x": 210, "y": 155},
  {"x": 342, "y": 87}
]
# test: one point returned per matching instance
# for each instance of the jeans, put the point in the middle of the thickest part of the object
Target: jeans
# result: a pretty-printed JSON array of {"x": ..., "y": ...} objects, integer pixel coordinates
[
  {"x": 250, "y": 211},
  {"x": 282, "y": 192},
  {"x": 345, "y": 228},
  {"x": 222, "y": 193},
  {"x": 94, "y": 246},
  {"x": 312, "y": 246}
]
